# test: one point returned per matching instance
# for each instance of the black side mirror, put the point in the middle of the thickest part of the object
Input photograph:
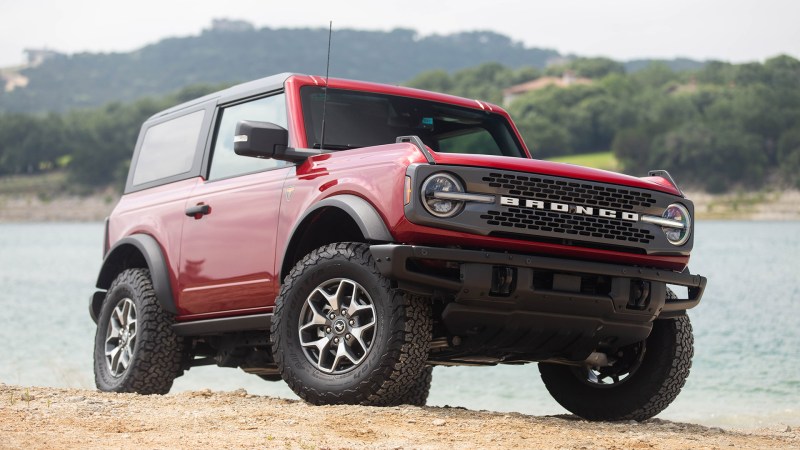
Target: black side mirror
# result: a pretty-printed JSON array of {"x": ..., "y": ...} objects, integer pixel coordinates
[{"x": 259, "y": 139}]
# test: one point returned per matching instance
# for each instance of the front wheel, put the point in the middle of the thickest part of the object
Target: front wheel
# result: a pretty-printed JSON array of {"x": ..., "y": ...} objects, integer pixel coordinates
[
  {"x": 644, "y": 379},
  {"x": 342, "y": 335},
  {"x": 418, "y": 394}
]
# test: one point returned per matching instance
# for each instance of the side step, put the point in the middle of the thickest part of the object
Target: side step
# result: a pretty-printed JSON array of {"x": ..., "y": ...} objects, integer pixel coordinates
[{"x": 223, "y": 325}]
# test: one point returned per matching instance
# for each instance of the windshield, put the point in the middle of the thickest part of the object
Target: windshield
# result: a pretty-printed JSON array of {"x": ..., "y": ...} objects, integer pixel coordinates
[{"x": 362, "y": 119}]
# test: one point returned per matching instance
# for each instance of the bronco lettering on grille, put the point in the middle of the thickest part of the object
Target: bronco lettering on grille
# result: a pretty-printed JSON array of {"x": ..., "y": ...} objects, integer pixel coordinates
[{"x": 567, "y": 208}]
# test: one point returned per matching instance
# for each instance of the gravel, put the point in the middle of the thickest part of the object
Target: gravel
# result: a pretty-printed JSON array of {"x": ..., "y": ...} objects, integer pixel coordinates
[{"x": 37, "y": 417}]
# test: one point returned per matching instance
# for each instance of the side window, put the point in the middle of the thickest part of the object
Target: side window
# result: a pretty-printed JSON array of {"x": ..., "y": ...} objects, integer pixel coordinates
[
  {"x": 168, "y": 148},
  {"x": 224, "y": 162}
]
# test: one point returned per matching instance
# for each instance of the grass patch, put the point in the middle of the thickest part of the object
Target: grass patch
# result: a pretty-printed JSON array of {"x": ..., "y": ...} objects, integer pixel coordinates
[
  {"x": 736, "y": 205},
  {"x": 43, "y": 186},
  {"x": 601, "y": 160}
]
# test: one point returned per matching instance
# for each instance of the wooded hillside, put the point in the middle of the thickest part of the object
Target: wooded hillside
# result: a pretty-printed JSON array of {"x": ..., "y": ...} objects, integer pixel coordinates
[{"x": 715, "y": 125}]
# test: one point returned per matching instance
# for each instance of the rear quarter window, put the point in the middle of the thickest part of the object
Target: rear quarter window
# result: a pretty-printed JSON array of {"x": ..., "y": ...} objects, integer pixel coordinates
[{"x": 168, "y": 148}]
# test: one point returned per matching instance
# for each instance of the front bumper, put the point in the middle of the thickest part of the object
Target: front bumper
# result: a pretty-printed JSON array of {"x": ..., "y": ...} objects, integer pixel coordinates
[{"x": 567, "y": 303}]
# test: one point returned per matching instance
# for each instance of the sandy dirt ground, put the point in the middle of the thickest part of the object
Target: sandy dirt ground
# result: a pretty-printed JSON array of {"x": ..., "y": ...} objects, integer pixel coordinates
[{"x": 49, "y": 418}]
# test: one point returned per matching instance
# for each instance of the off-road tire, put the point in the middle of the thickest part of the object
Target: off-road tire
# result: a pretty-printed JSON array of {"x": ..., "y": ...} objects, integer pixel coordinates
[
  {"x": 400, "y": 345},
  {"x": 157, "y": 352},
  {"x": 645, "y": 393},
  {"x": 418, "y": 394}
]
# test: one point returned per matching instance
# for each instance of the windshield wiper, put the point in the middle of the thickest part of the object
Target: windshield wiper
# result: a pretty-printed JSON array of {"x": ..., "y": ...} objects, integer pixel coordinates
[{"x": 335, "y": 146}]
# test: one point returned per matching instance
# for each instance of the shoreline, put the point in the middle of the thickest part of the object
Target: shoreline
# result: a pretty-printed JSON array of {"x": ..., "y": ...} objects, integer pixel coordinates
[
  {"x": 751, "y": 206},
  {"x": 38, "y": 417}
]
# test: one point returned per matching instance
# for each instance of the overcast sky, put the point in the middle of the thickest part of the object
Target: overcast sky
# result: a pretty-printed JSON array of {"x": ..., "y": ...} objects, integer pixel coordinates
[{"x": 729, "y": 30}]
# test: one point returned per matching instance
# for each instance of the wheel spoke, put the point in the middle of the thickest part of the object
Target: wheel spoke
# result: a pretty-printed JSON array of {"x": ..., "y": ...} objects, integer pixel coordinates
[
  {"x": 321, "y": 345},
  {"x": 317, "y": 316},
  {"x": 113, "y": 332},
  {"x": 305, "y": 328},
  {"x": 125, "y": 358},
  {"x": 335, "y": 299},
  {"x": 354, "y": 309},
  {"x": 119, "y": 316},
  {"x": 342, "y": 351},
  {"x": 113, "y": 359},
  {"x": 347, "y": 290},
  {"x": 125, "y": 313},
  {"x": 358, "y": 334}
]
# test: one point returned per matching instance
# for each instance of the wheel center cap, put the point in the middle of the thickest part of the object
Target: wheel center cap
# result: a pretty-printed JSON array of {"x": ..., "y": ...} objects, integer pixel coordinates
[{"x": 339, "y": 326}]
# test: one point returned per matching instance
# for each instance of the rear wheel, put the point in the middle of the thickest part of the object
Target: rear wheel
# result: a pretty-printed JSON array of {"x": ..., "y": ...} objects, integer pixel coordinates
[
  {"x": 135, "y": 348},
  {"x": 644, "y": 379},
  {"x": 341, "y": 334}
]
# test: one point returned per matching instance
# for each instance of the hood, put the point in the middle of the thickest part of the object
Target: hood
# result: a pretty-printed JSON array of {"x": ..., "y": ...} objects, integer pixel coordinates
[{"x": 556, "y": 169}]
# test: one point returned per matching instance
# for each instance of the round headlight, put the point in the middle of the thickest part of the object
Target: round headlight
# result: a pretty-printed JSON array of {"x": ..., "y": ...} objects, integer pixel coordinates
[
  {"x": 439, "y": 206},
  {"x": 678, "y": 213}
]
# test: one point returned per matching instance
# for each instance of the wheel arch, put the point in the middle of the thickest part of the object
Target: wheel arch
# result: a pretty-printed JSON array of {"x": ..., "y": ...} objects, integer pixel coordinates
[
  {"x": 342, "y": 218},
  {"x": 137, "y": 250}
]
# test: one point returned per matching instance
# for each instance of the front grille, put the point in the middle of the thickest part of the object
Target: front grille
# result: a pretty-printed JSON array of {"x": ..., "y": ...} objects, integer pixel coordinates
[
  {"x": 554, "y": 210},
  {"x": 570, "y": 191},
  {"x": 568, "y": 224}
]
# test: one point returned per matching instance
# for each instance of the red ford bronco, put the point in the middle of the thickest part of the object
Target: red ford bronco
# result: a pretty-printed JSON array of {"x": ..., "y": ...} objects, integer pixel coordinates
[{"x": 347, "y": 236}]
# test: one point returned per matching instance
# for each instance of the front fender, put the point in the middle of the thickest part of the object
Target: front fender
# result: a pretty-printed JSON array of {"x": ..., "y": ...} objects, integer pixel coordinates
[{"x": 361, "y": 211}]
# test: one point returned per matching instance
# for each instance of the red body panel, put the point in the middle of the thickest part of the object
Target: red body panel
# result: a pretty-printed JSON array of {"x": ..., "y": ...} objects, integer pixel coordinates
[
  {"x": 227, "y": 260},
  {"x": 375, "y": 174},
  {"x": 158, "y": 212}
]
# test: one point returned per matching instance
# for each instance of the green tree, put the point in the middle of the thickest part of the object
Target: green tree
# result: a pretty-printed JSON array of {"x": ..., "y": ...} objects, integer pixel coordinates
[
  {"x": 716, "y": 159},
  {"x": 631, "y": 146},
  {"x": 789, "y": 156},
  {"x": 594, "y": 68}
]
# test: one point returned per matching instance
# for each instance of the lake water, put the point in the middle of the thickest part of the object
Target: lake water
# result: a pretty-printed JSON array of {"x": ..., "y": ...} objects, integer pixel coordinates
[{"x": 746, "y": 370}]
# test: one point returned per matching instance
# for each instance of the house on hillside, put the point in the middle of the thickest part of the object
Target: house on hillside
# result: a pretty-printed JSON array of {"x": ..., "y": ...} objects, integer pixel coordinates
[
  {"x": 231, "y": 26},
  {"x": 568, "y": 78},
  {"x": 37, "y": 56},
  {"x": 12, "y": 80}
]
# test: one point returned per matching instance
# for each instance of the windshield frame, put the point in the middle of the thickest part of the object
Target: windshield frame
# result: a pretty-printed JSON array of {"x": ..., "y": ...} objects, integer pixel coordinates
[{"x": 498, "y": 126}]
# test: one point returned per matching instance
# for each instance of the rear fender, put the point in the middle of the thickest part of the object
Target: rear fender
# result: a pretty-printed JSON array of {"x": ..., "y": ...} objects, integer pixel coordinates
[{"x": 138, "y": 250}]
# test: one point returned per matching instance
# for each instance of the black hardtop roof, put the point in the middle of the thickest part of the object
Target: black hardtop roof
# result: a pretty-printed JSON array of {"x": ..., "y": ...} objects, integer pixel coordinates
[{"x": 232, "y": 93}]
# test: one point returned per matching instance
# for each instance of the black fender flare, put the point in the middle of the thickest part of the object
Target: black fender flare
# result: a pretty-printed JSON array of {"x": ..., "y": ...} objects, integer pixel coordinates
[
  {"x": 364, "y": 215},
  {"x": 151, "y": 252},
  {"x": 360, "y": 210}
]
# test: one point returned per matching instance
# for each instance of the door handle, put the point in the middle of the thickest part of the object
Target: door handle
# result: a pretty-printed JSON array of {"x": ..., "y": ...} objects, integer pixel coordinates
[{"x": 198, "y": 211}]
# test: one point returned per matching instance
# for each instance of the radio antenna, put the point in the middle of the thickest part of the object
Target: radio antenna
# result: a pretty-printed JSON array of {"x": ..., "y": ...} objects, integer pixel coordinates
[{"x": 325, "y": 97}]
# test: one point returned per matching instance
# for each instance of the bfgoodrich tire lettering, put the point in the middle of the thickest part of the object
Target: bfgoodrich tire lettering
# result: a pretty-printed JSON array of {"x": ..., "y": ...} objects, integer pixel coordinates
[
  {"x": 135, "y": 348},
  {"x": 652, "y": 385},
  {"x": 382, "y": 370}
]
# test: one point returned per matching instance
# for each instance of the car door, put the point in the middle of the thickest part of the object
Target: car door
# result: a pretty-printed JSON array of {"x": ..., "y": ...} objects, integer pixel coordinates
[{"x": 227, "y": 262}]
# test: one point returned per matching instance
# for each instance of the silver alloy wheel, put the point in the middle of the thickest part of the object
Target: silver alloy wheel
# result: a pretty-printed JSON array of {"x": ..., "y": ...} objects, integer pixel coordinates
[
  {"x": 121, "y": 337},
  {"x": 609, "y": 377},
  {"x": 337, "y": 325}
]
